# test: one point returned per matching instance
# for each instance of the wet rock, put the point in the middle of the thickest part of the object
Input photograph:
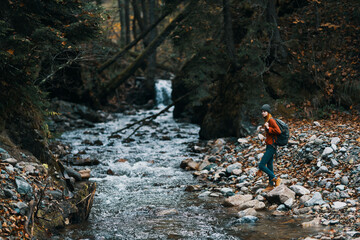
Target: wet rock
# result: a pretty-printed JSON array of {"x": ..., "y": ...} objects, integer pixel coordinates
[
  {"x": 55, "y": 194},
  {"x": 315, "y": 222},
  {"x": 210, "y": 166},
  {"x": 248, "y": 219},
  {"x": 85, "y": 162},
  {"x": 204, "y": 194},
  {"x": 299, "y": 190},
  {"x": 280, "y": 194},
  {"x": 315, "y": 200},
  {"x": 250, "y": 204},
  {"x": 203, "y": 165},
  {"x": 193, "y": 188},
  {"x": 9, "y": 193},
  {"x": 73, "y": 173},
  {"x": 316, "y": 123},
  {"x": 282, "y": 207},
  {"x": 22, "y": 186},
  {"x": 10, "y": 169},
  {"x": 11, "y": 161},
  {"x": 189, "y": 163},
  {"x": 242, "y": 140},
  {"x": 226, "y": 191},
  {"x": 333, "y": 162},
  {"x": 338, "y": 205},
  {"x": 237, "y": 200},
  {"x": 4, "y": 154}
]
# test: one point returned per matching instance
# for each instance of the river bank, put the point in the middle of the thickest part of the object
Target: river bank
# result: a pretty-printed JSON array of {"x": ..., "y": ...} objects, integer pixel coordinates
[{"x": 319, "y": 168}]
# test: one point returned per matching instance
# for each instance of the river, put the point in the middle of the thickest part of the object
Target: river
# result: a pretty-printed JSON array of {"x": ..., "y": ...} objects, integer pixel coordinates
[{"x": 141, "y": 188}]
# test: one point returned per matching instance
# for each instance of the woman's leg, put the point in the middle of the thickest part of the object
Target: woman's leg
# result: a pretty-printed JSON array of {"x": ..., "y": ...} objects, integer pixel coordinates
[{"x": 266, "y": 163}]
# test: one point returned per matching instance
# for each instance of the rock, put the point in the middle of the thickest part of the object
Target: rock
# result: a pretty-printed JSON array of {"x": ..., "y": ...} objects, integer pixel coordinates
[
  {"x": 353, "y": 234},
  {"x": 248, "y": 204},
  {"x": 204, "y": 164},
  {"x": 327, "y": 151},
  {"x": 167, "y": 212},
  {"x": 22, "y": 186},
  {"x": 318, "y": 141},
  {"x": 237, "y": 172},
  {"x": 315, "y": 200},
  {"x": 233, "y": 167},
  {"x": 289, "y": 203},
  {"x": 335, "y": 140},
  {"x": 237, "y": 200},
  {"x": 247, "y": 212},
  {"x": 345, "y": 180},
  {"x": 204, "y": 194},
  {"x": 219, "y": 142},
  {"x": 292, "y": 142},
  {"x": 55, "y": 194},
  {"x": 315, "y": 222},
  {"x": 334, "y": 147},
  {"x": 189, "y": 163},
  {"x": 342, "y": 149},
  {"x": 193, "y": 188},
  {"x": 226, "y": 190},
  {"x": 10, "y": 169},
  {"x": 260, "y": 206},
  {"x": 280, "y": 194},
  {"x": 340, "y": 187},
  {"x": 333, "y": 162},
  {"x": 281, "y": 207},
  {"x": 338, "y": 205},
  {"x": 316, "y": 123},
  {"x": 73, "y": 173},
  {"x": 11, "y": 161},
  {"x": 85, "y": 173},
  {"x": 321, "y": 170},
  {"x": 215, "y": 194},
  {"x": 248, "y": 219},
  {"x": 23, "y": 207},
  {"x": 299, "y": 190},
  {"x": 86, "y": 162},
  {"x": 4, "y": 154},
  {"x": 242, "y": 140},
  {"x": 9, "y": 193}
]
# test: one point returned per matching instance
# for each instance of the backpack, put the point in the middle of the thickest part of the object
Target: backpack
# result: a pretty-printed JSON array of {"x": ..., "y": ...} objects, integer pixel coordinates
[{"x": 283, "y": 137}]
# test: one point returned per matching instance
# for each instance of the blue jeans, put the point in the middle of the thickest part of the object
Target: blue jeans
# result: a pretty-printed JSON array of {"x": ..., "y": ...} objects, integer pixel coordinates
[{"x": 266, "y": 163}]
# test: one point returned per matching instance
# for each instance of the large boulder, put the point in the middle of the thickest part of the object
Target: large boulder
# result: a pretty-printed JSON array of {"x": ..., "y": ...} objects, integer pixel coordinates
[{"x": 280, "y": 194}]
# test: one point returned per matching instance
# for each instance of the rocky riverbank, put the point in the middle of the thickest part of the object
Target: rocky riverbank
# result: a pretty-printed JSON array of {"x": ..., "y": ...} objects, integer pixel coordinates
[
  {"x": 319, "y": 168},
  {"x": 37, "y": 199}
]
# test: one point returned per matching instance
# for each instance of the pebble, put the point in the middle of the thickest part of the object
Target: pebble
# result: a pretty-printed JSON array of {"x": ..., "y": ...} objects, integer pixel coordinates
[
  {"x": 315, "y": 200},
  {"x": 345, "y": 180},
  {"x": 338, "y": 205}
]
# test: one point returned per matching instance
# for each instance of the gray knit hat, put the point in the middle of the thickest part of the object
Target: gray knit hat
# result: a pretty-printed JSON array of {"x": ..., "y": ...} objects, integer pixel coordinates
[{"x": 266, "y": 107}]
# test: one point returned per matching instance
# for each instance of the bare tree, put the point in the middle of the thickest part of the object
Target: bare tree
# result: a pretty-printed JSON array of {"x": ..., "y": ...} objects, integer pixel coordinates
[
  {"x": 228, "y": 31},
  {"x": 127, "y": 22}
]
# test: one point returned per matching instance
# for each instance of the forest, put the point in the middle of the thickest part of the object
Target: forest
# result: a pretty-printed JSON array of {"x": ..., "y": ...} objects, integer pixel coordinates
[{"x": 158, "y": 103}]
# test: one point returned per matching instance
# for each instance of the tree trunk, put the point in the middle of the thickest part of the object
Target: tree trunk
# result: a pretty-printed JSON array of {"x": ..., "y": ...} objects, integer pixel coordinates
[
  {"x": 122, "y": 22},
  {"x": 137, "y": 15},
  {"x": 276, "y": 45},
  {"x": 229, "y": 35},
  {"x": 133, "y": 43},
  {"x": 124, "y": 75},
  {"x": 127, "y": 22}
]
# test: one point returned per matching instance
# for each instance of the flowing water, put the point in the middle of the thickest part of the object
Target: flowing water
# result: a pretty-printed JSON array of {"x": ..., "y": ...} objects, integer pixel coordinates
[{"x": 145, "y": 198}]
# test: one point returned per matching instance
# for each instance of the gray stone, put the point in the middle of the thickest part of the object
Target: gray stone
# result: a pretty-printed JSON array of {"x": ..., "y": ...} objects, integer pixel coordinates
[
  {"x": 73, "y": 173},
  {"x": 280, "y": 194},
  {"x": 22, "y": 186},
  {"x": 237, "y": 172},
  {"x": 335, "y": 140},
  {"x": 342, "y": 149},
  {"x": 345, "y": 180},
  {"x": 23, "y": 207},
  {"x": 237, "y": 200},
  {"x": 243, "y": 140},
  {"x": 321, "y": 170},
  {"x": 226, "y": 190},
  {"x": 316, "y": 123},
  {"x": 289, "y": 203},
  {"x": 203, "y": 164},
  {"x": 340, "y": 187},
  {"x": 327, "y": 151},
  {"x": 353, "y": 234},
  {"x": 315, "y": 200},
  {"x": 282, "y": 207},
  {"x": 248, "y": 204},
  {"x": 248, "y": 219},
  {"x": 4, "y": 154},
  {"x": 247, "y": 212},
  {"x": 232, "y": 167},
  {"x": 344, "y": 195},
  {"x": 299, "y": 190},
  {"x": 204, "y": 194},
  {"x": 10, "y": 169},
  {"x": 11, "y": 161},
  {"x": 333, "y": 162},
  {"x": 210, "y": 166},
  {"x": 167, "y": 212},
  {"x": 338, "y": 205},
  {"x": 9, "y": 193},
  {"x": 318, "y": 141}
]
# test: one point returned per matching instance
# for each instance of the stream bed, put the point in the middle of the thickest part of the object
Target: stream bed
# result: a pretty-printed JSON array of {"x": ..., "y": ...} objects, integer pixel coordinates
[{"x": 141, "y": 187}]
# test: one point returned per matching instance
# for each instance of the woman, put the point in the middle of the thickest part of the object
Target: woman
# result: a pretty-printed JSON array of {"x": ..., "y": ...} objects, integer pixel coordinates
[{"x": 266, "y": 163}]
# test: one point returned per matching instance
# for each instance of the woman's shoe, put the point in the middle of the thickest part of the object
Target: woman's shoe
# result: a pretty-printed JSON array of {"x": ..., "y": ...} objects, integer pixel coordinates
[
  {"x": 268, "y": 188},
  {"x": 277, "y": 181}
]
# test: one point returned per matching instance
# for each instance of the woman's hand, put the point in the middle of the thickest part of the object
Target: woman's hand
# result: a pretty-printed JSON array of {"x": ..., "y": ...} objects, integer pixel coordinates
[{"x": 266, "y": 125}]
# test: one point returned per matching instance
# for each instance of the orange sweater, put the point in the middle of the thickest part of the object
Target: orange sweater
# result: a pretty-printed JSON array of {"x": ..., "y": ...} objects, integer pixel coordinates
[{"x": 272, "y": 132}]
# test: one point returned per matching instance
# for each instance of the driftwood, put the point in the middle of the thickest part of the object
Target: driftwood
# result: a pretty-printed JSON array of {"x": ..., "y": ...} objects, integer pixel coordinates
[{"x": 147, "y": 120}]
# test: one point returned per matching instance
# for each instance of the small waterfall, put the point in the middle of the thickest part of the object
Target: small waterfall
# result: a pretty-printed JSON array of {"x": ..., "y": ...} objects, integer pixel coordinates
[{"x": 163, "y": 92}]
